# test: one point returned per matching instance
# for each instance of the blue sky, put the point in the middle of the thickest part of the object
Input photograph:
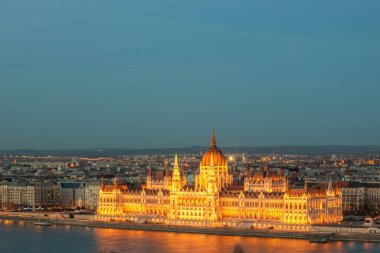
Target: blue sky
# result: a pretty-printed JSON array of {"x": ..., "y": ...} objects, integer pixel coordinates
[{"x": 135, "y": 74}]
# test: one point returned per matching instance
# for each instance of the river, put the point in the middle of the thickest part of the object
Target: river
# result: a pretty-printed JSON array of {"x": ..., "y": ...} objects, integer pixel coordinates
[{"x": 21, "y": 236}]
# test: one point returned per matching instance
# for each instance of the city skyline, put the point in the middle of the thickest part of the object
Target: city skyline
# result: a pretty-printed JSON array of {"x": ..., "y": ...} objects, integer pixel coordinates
[
  {"x": 238, "y": 125},
  {"x": 138, "y": 75}
]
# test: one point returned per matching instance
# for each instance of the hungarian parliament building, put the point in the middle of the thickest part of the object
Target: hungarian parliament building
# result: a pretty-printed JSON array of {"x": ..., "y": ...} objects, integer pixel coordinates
[{"x": 266, "y": 201}]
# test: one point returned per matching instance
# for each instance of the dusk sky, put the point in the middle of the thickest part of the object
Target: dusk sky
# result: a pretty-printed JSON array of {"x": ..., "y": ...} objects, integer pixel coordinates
[{"x": 137, "y": 74}]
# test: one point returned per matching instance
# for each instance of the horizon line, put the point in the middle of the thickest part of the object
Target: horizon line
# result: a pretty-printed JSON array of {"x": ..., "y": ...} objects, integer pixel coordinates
[{"x": 187, "y": 147}]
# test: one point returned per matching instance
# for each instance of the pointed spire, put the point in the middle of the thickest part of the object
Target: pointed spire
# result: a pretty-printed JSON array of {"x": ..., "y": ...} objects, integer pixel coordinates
[
  {"x": 248, "y": 172},
  {"x": 166, "y": 166},
  {"x": 149, "y": 170},
  {"x": 176, "y": 178},
  {"x": 176, "y": 172},
  {"x": 102, "y": 186},
  {"x": 281, "y": 169},
  {"x": 213, "y": 140},
  {"x": 176, "y": 161},
  {"x": 286, "y": 185},
  {"x": 116, "y": 185},
  {"x": 329, "y": 189}
]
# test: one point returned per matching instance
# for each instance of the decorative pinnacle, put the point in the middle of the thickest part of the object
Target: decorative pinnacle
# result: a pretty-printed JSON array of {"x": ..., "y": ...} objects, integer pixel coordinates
[
  {"x": 116, "y": 183},
  {"x": 213, "y": 140},
  {"x": 176, "y": 173},
  {"x": 166, "y": 166},
  {"x": 176, "y": 161}
]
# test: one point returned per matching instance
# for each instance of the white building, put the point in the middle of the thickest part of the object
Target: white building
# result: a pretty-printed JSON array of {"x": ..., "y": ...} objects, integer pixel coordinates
[
  {"x": 15, "y": 195},
  {"x": 72, "y": 194},
  {"x": 91, "y": 195}
]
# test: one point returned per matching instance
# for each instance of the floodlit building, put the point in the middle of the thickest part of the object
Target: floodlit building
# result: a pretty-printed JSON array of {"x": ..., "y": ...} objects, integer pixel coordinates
[{"x": 265, "y": 201}]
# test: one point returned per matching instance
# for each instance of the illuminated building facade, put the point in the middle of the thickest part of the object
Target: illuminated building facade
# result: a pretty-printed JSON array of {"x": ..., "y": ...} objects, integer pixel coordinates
[{"x": 265, "y": 201}]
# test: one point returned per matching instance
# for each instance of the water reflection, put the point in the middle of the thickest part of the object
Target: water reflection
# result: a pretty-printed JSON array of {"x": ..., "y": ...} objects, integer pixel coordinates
[
  {"x": 143, "y": 241},
  {"x": 84, "y": 239}
]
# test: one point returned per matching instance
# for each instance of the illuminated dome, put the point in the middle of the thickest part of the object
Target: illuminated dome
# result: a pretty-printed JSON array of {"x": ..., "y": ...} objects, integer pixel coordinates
[{"x": 213, "y": 156}]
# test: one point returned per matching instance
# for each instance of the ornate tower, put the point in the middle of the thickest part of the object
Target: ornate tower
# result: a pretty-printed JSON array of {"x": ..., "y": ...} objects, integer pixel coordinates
[
  {"x": 149, "y": 178},
  {"x": 167, "y": 176},
  {"x": 213, "y": 159},
  {"x": 176, "y": 179},
  {"x": 268, "y": 182}
]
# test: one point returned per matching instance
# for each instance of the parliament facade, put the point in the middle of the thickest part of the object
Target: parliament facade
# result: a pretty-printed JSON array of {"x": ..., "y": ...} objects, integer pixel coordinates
[{"x": 265, "y": 202}]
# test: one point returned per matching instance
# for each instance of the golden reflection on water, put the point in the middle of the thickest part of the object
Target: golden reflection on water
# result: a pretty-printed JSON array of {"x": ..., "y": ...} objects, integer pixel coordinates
[
  {"x": 8, "y": 222},
  {"x": 118, "y": 240},
  {"x": 367, "y": 246},
  {"x": 112, "y": 240}
]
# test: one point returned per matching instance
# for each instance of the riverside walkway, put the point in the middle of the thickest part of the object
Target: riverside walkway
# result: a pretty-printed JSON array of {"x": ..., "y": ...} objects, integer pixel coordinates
[{"x": 200, "y": 230}]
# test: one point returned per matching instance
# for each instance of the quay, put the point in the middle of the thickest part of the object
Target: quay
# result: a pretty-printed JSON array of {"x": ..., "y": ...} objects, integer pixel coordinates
[{"x": 269, "y": 233}]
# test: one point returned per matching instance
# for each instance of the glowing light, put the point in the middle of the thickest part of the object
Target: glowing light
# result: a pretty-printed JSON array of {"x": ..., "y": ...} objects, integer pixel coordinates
[{"x": 266, "y": 200}]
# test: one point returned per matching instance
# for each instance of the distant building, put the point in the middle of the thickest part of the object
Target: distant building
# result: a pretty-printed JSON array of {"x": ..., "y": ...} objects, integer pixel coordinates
[
  {"x": 16, "y": 196},
  {"x": 91, "y": 191},
  {"x": 359, "y": 196},
  {"x": 72, "y": 195}
]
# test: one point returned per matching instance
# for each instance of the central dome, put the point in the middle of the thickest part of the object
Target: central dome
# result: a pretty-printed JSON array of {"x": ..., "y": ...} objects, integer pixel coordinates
[{"x": 213, "y": 156}]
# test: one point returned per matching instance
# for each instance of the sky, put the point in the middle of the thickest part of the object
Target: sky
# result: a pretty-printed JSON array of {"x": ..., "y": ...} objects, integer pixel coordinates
[{"x": 138, "y": 74}]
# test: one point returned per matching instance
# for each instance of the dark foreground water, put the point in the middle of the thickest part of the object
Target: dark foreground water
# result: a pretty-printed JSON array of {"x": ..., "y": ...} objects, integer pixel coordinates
[{"x": 20, "y": 236}]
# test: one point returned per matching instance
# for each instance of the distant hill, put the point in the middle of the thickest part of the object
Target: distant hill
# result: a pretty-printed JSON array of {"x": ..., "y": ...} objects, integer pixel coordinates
[{"x": 323, "y": 150}]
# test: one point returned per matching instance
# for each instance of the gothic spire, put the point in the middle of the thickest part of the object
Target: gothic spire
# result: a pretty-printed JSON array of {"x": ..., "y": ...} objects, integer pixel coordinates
[
  {"x": 176, "y": 161},
  {"x": 281, "y": 170},
  {"x": 330, "y": 189},
  {"x": 116, "y": 186},
  {"x": 176, "y": 172},
  {"x": 248, "y": 172},
  {"x": 213, "y": 140},
  {"x": 166, "y": 166},
  {"x": 150, "y": 170}
]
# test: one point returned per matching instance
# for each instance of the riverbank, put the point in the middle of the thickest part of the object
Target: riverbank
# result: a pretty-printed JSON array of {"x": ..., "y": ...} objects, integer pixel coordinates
[{"x": 62, "y": 220}]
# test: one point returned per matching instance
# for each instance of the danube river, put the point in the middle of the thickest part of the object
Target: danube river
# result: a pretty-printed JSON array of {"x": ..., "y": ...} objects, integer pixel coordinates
[{"x": 21, "y": 236}]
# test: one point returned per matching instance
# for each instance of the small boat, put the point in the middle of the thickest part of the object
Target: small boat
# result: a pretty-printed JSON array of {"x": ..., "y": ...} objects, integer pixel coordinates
[
  {"x": 45, "y": 224},
  {"x": 318, "y": 240}
]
